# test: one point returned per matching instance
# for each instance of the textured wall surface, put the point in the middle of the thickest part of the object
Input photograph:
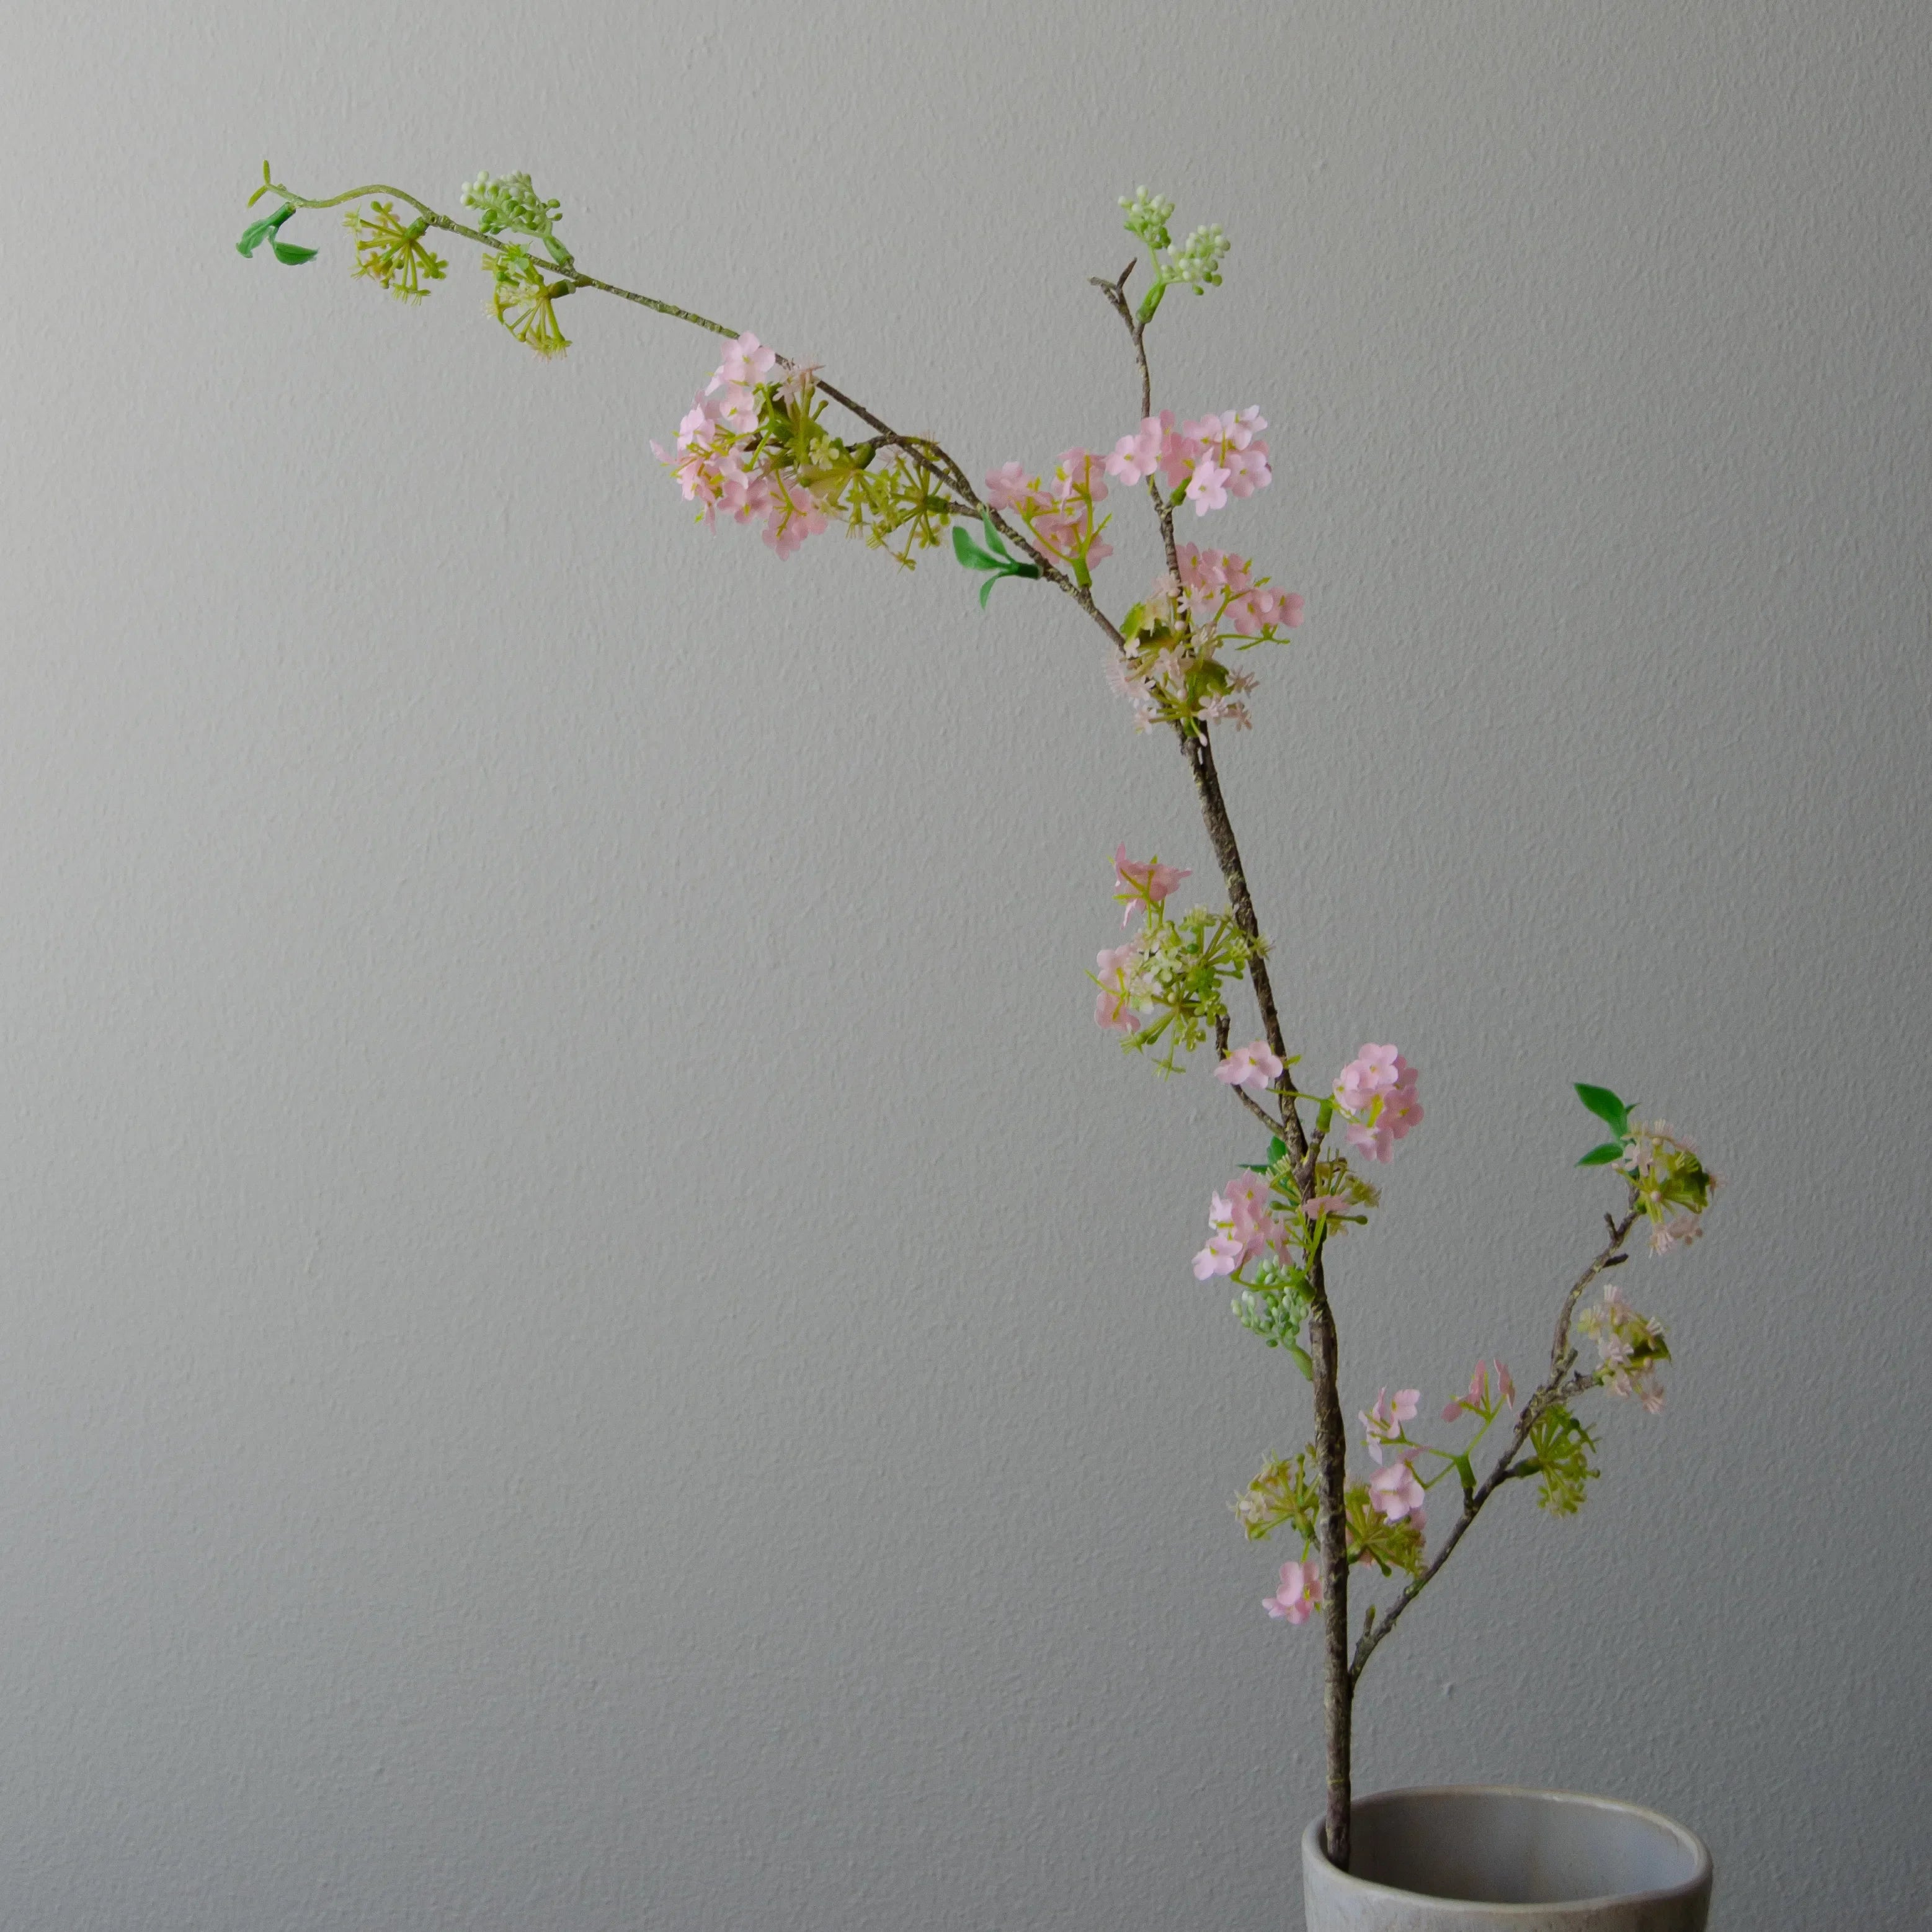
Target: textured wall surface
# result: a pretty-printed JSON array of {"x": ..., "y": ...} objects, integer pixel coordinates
[{"x": 592, "y": 1337}]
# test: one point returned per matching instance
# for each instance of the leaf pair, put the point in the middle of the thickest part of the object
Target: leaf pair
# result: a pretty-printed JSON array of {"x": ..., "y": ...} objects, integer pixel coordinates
[
  {"x": 256, "y": 232},
  {"x": 1614, "y": 1114},
  {"x": 995, "y": 557}
]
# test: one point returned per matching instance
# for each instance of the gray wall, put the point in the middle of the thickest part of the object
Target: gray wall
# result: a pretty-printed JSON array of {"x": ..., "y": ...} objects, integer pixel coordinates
[{"x": 592, "y": 1337}]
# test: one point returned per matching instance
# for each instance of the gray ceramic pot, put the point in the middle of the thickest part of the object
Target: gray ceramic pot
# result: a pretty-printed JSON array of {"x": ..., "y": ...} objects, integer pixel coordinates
[{"x": 1486, "y": 1858}]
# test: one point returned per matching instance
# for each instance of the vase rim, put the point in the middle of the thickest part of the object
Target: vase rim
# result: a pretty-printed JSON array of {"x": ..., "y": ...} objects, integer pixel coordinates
[{"x": 1699, "y": 1875}]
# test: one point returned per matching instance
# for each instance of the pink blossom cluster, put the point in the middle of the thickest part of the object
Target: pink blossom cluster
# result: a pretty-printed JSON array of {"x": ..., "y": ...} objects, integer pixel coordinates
[
  {"x": 1300, "y": 1592},
  {"x": 1629, "y": 1345},
  {"x": 1383, "y": 1425},
  {"x": 1376, "y": 1093},
  {"x": 1203, "y": 463},
  {"x": 1397, "y": 1491},
  {"x": 1255, "y": 1067},
  {"x": 710, "y": 463},
  {"x": 1223, "y": 591},
  {"x": 1059, "y": 510},
  {"x": 1114, "y": 974},
  {"x": 1490, "y": 1390},
  {"x": 1144, "y": 883},
  {"x": 1245, "y": 1228},
  {"x": 1156, "y": 683},
  {"x": 1672, "y": 1183}
]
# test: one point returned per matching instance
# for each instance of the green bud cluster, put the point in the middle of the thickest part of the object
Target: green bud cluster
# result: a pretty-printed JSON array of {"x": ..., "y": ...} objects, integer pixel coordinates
[
  {"x": 1147, "y": 216},
  {"x": 1195, "y": 264},
  {"x": 512, "y": 205},
  {"x": 1275, "y": 1309}
]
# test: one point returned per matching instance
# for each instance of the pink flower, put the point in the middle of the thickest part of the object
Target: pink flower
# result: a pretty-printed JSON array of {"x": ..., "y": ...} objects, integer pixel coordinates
[
  {"x": 792, "y": 515},
  {"x": 1136, "y": 457},
  {"x": 1378, "y": 1089},
  {"x": 1114, "y": 977},
  {"x": 1207, "y": 488},
  {"x": 1009, "y": 487},
  {"x": 1300, "y": 1594},
  {"x": 1242, "y": 1217},
  {"x": 1384, "y": 1422},
  {"x": 1254, "y": 1067},
  {"x": 1144, "y": 882},
  {"x": 1482, "y": 1400},
  {"x": 747, "y": 363},
  {"x": 1076, "y": 478},
  {"x": 1223, "y": 1254},
  {"x": 1396, "y": 1492},
  {"x": 1317, "y": 1205}
]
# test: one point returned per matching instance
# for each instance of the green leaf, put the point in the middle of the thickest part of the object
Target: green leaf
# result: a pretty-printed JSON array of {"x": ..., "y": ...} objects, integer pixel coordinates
[
  {"x": 1301, "y": 1359},
  {"x": 256, "y": 232},
  {"x": 1602, "y": 1156},
  {"x": 993, "y": 542},
  {"x": 1134, "y": 623},
  {"x": 287, "y": 251},
  {"x": 1615, "y": 1114},
  {"x": 967, "y": 551},
  {"x": 986, "y": 590},
  {"x": 1276, "y": 1148}
]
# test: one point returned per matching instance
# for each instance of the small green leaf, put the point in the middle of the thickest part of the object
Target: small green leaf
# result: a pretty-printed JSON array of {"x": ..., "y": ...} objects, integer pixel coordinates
[
  {"x": 1301, "y": 1359},
  {"x": 256, "y": 232},
  {"x": 986, "y": 590},
  {"x": 1134, "y": 623},
  {"x": 969, "y": 552},
  {"x": 1615, "y": 1114},
  {"x": 1602, "y": 1156},
  {"x": 993, "y": 542},
  {"x": 1276, "y": 1148},
  {"x": 287, "y": 251}
]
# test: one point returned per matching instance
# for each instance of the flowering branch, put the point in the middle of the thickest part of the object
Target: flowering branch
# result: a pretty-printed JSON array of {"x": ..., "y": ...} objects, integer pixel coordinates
[{"x": 755, "y": 445}]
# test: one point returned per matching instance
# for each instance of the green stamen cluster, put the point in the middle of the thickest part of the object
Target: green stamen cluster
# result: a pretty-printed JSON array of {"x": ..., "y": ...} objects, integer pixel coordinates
[
  {"x": 522, "y": 298},
  {"x": 1183, "y": 966},
  {"x": 391, "y": 254},
  {"x": 1561, "y": 1447}
]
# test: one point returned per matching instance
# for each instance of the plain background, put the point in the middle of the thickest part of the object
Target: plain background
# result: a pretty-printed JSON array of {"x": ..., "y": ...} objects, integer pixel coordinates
[{"x": 591, "y": 1336}]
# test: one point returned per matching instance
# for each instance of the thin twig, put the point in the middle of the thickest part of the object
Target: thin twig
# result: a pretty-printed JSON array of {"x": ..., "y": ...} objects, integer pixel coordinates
[{"x": 1559, "y": 1385}]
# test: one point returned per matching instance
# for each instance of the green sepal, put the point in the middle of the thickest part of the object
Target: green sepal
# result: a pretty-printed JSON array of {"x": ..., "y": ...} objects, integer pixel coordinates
[
  {"x": 1615, "y": 1114},
  {"x": 1602, "y": 1156}
]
